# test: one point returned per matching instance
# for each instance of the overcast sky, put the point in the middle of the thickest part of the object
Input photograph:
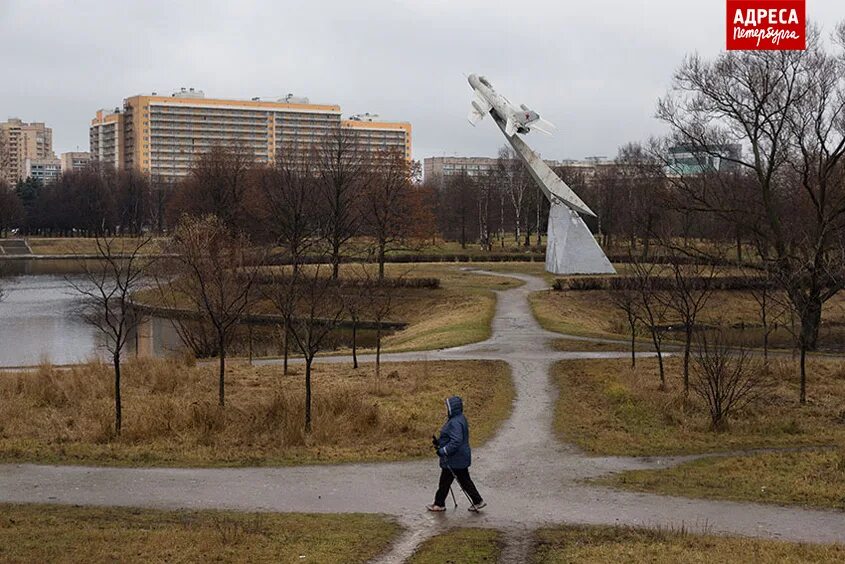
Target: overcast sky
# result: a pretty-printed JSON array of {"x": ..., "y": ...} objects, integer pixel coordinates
[{"x": 592, "y": 67}]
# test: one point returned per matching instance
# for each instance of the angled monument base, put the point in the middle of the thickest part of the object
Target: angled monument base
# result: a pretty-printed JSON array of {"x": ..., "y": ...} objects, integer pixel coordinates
[{"x": 571, "y": 248}]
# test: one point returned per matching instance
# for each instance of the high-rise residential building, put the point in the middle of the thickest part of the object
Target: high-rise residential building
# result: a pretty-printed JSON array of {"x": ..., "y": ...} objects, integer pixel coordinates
[
  {"x": 20, "y": 141},
  {"x": 44, "y": 170},
  {"x": 106, "y": 138},
  {"x": 75, "y": 160},
  {"x": 162, "y": 135}
]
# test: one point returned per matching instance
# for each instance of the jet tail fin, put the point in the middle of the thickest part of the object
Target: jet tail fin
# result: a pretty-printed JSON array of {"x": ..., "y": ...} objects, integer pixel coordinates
[{"x": 546, "y": 125}]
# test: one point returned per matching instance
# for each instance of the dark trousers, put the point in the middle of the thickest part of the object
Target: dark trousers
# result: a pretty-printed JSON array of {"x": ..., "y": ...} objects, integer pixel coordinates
[{"x": 464, "y": 480}]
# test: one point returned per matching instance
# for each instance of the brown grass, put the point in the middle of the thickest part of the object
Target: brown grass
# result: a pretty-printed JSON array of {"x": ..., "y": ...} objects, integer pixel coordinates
[
  {"x": 591, "y": 313},
  {"x": 606, "y": 408},
  {"x": 171, "y": 416},
  {"x": 596, "y": 346},
  {"x": 464, "y": 545},
  {"x": 458, "y": 313},
  {"x": 623, "y": 544},
  {"x": 79, "y": 245},
  {"x": 814, "y": 478},
  {"x": 52, "y": 533}
]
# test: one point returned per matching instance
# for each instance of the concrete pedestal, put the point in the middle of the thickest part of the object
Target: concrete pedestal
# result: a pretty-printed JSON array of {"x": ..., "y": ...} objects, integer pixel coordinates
[{"x": 570, "y": 247}]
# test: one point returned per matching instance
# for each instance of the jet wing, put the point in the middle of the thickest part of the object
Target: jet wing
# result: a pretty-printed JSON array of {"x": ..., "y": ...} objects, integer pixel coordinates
[{"x": 480, "y": 108}]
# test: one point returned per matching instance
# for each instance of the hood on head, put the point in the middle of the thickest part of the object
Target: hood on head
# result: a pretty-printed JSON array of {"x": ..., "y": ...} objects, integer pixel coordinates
[{"x": 454, "y": 406}]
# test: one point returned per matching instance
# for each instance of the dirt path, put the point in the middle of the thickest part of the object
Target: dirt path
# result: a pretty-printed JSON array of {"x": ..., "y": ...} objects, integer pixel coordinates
[{"x": 528, "y": 477}]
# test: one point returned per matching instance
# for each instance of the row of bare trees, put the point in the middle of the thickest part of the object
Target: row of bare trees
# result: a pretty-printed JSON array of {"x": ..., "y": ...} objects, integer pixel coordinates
[
  {"x": 208, "y": 276},
  {"x": 337, "y": 200},
  {"x": 501, "y": 206}
]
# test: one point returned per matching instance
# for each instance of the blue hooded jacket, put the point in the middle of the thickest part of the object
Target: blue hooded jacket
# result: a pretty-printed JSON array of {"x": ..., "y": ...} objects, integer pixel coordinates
[{"x": 453, "y": 444}]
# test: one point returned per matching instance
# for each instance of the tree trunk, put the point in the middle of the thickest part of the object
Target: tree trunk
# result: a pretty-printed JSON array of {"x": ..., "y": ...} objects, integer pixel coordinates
[
  {"x": 354, "y": 342},
  {"x": 656, "y": 342},
  {"x": 222, "y": 374},
  {"x": 633, "y": 343},
  {"x": 118, "y": 414},
  {"x": 811, "y": 316},
  {"x": 381, "y": 253},
  {"x": 308, "y": 360},
  {"x": 687, "y": 347},
  {"x": 286, "y": 347},
  {"x": 378, "y": 349},
  {"x": 335, "y": 261},
  {"x": 662, "y": 373}
]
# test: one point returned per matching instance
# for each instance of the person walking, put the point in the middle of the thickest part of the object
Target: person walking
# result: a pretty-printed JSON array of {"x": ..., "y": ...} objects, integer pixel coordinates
[{"x": 455, "y": 457}]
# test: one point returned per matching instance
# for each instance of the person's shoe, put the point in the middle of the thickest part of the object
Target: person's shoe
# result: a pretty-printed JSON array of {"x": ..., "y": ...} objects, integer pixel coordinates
[
  {"x": 478, "y": 506},
  {"x": 435, "y": 507}
]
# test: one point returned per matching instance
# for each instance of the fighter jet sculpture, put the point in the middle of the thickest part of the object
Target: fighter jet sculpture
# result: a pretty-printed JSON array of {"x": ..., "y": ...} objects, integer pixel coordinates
[
  {"x": 571, "y": 248},
  {"x": 517, "y": 120}
]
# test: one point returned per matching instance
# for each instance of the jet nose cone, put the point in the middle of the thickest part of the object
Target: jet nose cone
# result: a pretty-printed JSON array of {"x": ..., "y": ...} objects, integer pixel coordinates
[{"x": 473, "y": 80}]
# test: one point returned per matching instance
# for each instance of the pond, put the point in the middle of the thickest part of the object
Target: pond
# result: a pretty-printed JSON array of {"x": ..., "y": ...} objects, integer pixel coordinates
[{"x": 40, "y": 322}]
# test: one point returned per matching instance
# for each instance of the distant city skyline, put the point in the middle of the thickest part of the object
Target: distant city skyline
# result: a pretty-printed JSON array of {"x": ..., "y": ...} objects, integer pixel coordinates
[{"x": 594, "y": 69}]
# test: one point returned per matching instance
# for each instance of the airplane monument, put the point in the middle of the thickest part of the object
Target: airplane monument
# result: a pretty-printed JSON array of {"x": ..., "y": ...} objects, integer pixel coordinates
[{"x": 570, "y": 247}]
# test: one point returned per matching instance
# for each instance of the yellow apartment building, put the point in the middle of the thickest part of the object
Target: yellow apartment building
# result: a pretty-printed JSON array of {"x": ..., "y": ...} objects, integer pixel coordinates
[
  {"x": 20, "y": 141},
  {"x": 161, "y": 135}
]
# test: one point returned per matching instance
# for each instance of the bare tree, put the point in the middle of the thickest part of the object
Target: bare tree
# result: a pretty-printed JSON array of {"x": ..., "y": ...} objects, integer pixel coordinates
[
  {"x": 461, "y": 198},
  {"x": 134, "y": 200},
  {"x": 641, "y": 178},
  {"x": 355, "y": 300},
  {"x": 771, "y": 309},
  {"x": 218, "y": 184},
  {"x": 380, "y": 304},
  {"x": 281, "y": 292},
  {"x": 485, "y": 194},
  {"x": 726, "y": 379},
  {"x": 652, "y": 307},
  {"x": 627, "y": 301},
  {"x": 692, "y": 286},
  {"x": 766, "y": 128},
  {"x": 213, "y": 274},
  {"x": 318, "y": 312},
  {"x": 106, "y": 289},
  {"x": 515, "y": 182},
  {"x": 340, "y": 172},
  {"x": 288, "y": 189},
  {"x": 387, "y": 204}
]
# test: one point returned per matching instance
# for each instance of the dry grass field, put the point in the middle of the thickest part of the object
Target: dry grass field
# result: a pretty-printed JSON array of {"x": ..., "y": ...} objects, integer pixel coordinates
[
  {"x": 592, "y": 313},
  {"x": 53, "y": 533},
  {"x": 171, "y": 418},
  {"x": 809, "y": 478},
  {"x": 639, "y": 546},
  {"x": 80, "y": 245},
  {"x": 605, "y": 407}
]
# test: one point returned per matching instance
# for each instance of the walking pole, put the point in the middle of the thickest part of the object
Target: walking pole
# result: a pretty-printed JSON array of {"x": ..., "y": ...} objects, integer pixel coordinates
[
  {"x": 455, "y": 476},
  {"x": 455, "y": 501}
]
